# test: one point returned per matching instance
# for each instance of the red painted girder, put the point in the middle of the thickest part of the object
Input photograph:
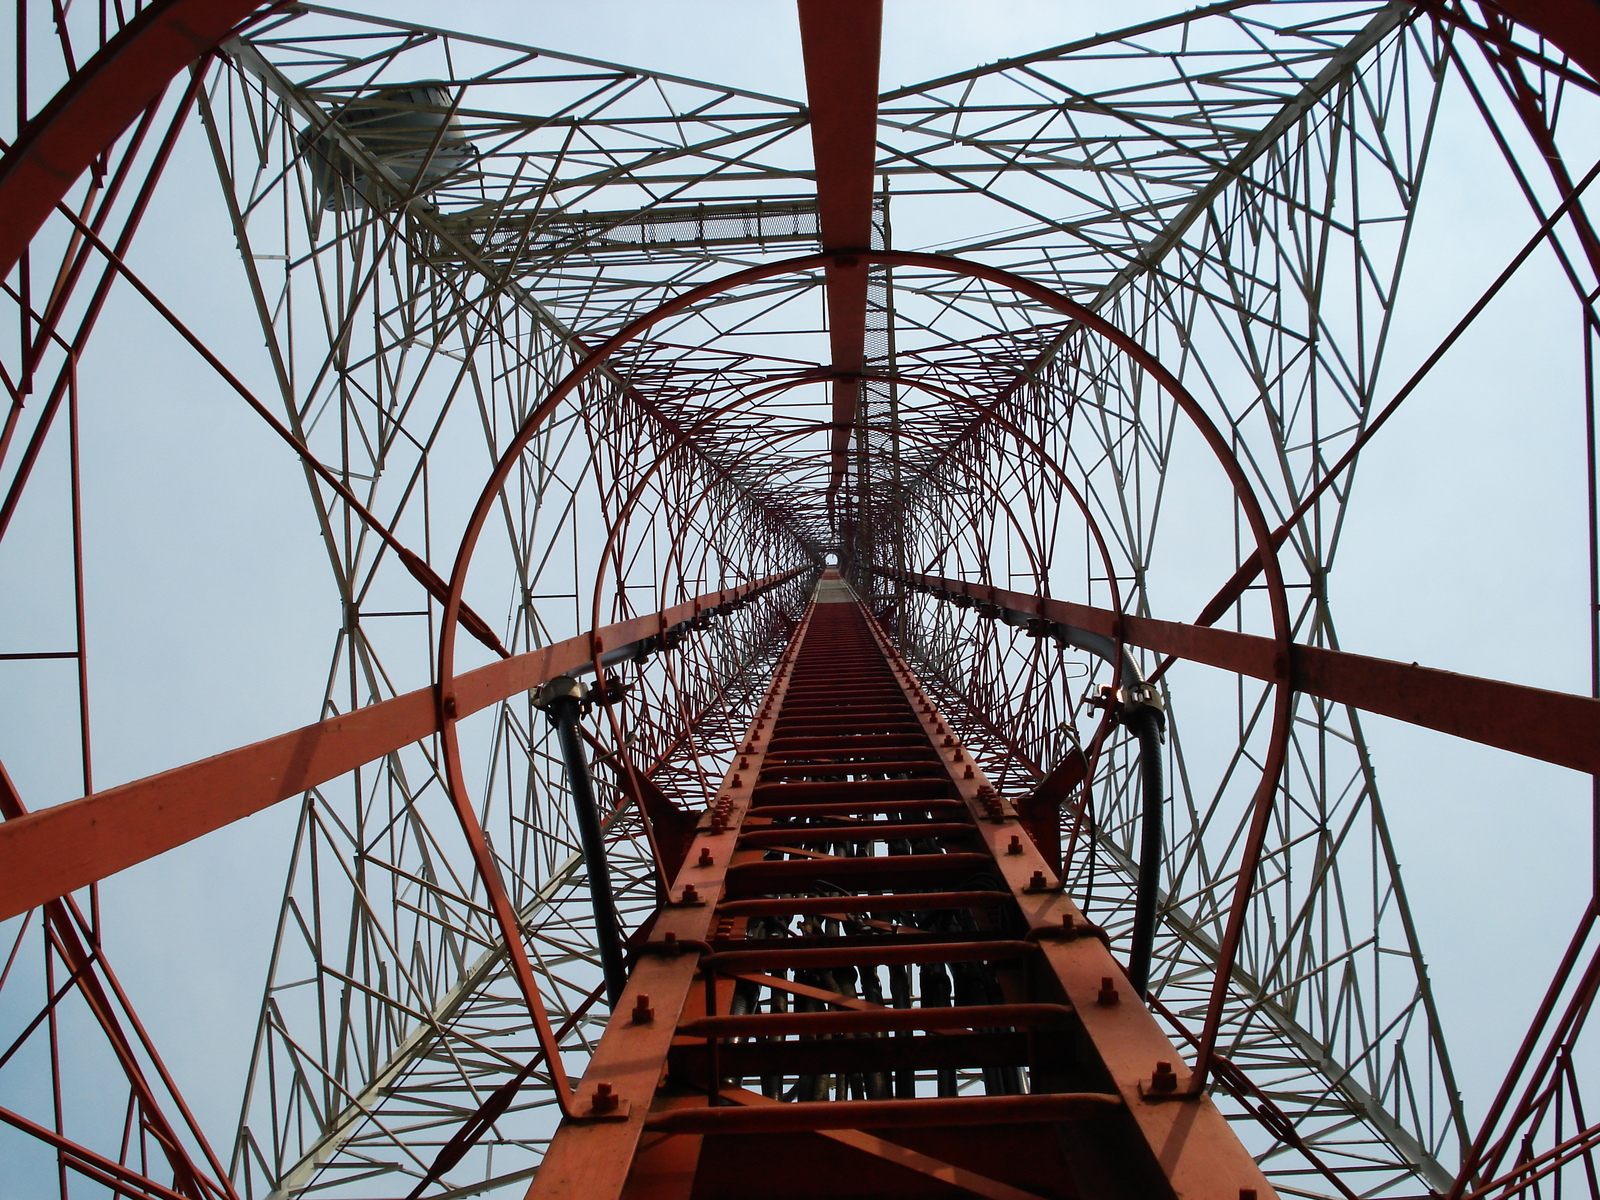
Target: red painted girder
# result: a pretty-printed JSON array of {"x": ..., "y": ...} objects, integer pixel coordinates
[
  {"x": 1573, "y": 25},
  {"x": 840, "y": 39},
  {"x": 101, "y": 99},
  {"x": 1191, "y": 1141},
  {"x": 95, "y": 981},
  {"x": 1556, "y": 727},
  {"x": 591, "y": 1159},
  {"x": 1040, "y": 810},
  {"x": 121, "y": 1179},
  {"x": 58, "y": 850}
]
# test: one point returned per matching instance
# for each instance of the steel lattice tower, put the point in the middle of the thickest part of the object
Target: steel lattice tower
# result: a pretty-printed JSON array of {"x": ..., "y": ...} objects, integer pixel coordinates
[{"x": 760, "y": 640}]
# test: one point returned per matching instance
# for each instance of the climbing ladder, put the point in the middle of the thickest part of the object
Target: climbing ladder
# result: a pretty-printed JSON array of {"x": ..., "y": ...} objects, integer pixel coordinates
[{"x": 866, "y": 982}]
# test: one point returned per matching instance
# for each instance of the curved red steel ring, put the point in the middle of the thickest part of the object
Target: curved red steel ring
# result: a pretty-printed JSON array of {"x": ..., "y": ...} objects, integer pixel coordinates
[
  {"x": 1063, "y": 304},
  {"x": 1055, "y": 468},
  {"x": 134, "y": 67},
  {"x": 1277, "y": 750},
  {"x": 617, "y": 523},
  {"x": 810, "y": 427}
]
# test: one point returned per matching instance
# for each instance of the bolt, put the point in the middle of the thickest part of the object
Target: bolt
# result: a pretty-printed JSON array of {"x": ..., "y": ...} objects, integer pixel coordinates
[
  {"x": 738, "y": 781},
  {"x": 1108, "y": 994},
  {"x": 690, "y": 896},
  {"x": 605, "y": 1099},
  {"x": 967, "y": 774},
  {"x": 1037, "y": 883},
  {"x": 1163, "y": 1080},
  {"x": 643, "y": 1014},
  {"x": 744, "y": 764},
  {"x": 705, "y": 856},
  {"x": 749, "y": 747},
  {"x": 1016, "y": 845},
  {"x": 1247, "y": 1194}
]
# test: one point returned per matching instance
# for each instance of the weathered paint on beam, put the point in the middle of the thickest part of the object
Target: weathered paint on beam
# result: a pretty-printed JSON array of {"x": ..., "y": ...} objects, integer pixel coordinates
[
  {"x": 55, "y": 851},
  {"x": 1555, "y": 727},
  {"x": 840, "y": 40},
  {"x": 102, "y": 98}
]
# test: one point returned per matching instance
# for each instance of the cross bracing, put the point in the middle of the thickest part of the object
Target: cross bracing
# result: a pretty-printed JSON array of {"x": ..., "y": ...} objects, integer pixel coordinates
[{"x": 434, "y": 227}]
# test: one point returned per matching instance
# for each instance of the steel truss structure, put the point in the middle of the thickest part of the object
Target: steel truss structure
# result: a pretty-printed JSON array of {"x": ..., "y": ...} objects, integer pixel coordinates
[{"x": 591, "y": 371}]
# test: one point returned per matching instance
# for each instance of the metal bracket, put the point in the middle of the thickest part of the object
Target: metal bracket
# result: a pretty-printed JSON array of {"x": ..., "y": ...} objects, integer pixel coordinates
[{"x": 562, "y": 687}]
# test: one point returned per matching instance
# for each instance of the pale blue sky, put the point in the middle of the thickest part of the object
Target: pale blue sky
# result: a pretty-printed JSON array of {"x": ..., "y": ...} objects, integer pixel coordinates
[{"x": 212, "y": 621}]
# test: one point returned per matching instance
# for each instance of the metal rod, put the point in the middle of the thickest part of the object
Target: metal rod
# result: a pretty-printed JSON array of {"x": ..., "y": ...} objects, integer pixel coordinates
[
  {"x": 563, "y": 712},
  {"x": 1146, "y": 725}
]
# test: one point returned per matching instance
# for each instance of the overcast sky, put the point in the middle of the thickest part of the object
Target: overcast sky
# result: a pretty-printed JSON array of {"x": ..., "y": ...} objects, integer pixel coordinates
[{"x": 212, "y": 620}]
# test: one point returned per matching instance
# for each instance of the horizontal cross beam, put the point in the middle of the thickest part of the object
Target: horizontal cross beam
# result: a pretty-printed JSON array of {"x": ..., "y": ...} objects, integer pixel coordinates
[
  {"x": 55, "y": 851},
  {"x": 1555, "y": 727}
]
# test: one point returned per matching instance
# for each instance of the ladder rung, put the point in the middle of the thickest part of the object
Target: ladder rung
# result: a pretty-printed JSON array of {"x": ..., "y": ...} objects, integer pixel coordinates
[{"x": 879, "y": 1114}]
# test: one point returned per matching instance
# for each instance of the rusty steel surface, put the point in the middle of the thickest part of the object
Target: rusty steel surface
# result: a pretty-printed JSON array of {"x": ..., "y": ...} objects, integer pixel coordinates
[
  {"x": 1553, "y": 726},
  {"x": 1092, "y": 1059},
  {"x": 840, "y": 42},
  {"x": 68, "y": 846},
  {"x": 883, "y": 569},
  {"x": 102, "y": 98}
]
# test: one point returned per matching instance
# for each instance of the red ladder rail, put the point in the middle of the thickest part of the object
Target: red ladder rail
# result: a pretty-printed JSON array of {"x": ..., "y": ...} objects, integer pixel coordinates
[{"x": 864, "y": 938}]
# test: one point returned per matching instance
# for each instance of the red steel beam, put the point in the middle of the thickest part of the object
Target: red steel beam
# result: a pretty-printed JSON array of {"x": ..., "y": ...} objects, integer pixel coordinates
[
  {"x": 840, "y": 40},
  {"x": 1556, "y": 727},
  {"x": 121, "y": 1180},
  {"x": 92, "y": 974},
  {"x": 102, "y": 98},
  {"x": 651, "y": 1130},
  {"x": 55, "y": 851},
  {"x": 1573, "y": 25}
]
